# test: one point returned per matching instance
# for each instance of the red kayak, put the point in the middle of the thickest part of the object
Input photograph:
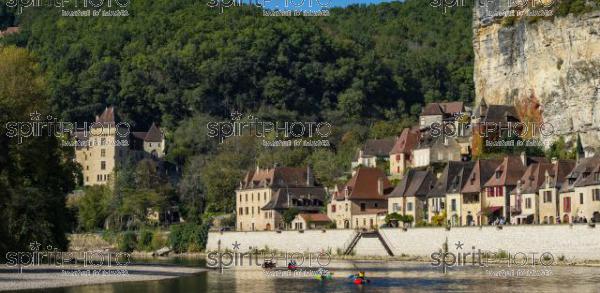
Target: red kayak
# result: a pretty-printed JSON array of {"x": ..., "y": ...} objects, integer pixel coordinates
[{"x": 360, "y": 281}]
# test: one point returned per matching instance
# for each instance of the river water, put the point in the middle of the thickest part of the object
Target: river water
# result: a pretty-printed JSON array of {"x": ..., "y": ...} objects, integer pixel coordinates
[{"x": 385, "y": 277}]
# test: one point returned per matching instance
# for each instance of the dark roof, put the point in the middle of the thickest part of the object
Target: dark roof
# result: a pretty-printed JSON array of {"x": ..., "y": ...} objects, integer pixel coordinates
[
  {"x": 414, "y": 183},
  {"x": 154, "y": 134},
  {"x": 482, "y": 171},
  {"x": 445, "y": 109},
  {"x": 533, "y": 177},
  {"x": 365, "y": 185},
  {"x": 406, "y": 142},
  {"x": 310, "y": 199},
  {"x": 585, "y": 173},
  {"x": 453, "y": 178},
  {"x": 278, "y": 177},
  {"x": 378, "y": 147},
  {"x": 510, "y": 171},
  {"x": 108, "y": 116},
  {"x": 558, "y": 173},
  {"x": 500, "y": 113}
]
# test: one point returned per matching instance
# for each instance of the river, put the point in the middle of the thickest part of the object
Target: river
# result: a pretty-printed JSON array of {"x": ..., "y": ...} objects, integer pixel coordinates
[{"x": 385, "y": 277}]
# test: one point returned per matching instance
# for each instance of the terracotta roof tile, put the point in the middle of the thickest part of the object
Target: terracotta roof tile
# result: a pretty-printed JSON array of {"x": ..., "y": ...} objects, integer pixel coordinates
[{"x": 364, "y": 185}]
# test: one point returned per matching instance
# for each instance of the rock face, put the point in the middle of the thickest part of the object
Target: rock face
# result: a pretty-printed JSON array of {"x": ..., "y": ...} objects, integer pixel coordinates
[{"x": 555, "y": 61}]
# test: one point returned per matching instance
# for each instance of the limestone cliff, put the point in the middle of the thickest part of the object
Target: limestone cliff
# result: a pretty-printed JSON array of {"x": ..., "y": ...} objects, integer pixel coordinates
[{"x": 556, "y": 61}]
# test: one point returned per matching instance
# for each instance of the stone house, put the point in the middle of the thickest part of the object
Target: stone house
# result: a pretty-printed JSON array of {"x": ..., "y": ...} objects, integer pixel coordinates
[
  {"x": 401, "y": 155},
  {"x": 265, "y": 194},
  {"x": 373, "y": 152},
  {"x": 496, "y": 202},
  {"x": 305, "y": 221},
  {"x": 409, "y": 197},
  {"x": 579, "y": 196},
  {"x": 361, "y": 203},
  {"x": 431, "y": 150},
  {"x": 524, "y": 198},
  {"x": 458, "y": 175},
  {"x": 472, "y": 193},
  {"x": 546, "y": 205},
  {"x": 440, "y": 112},
  {"x": 102, "y": 148}
]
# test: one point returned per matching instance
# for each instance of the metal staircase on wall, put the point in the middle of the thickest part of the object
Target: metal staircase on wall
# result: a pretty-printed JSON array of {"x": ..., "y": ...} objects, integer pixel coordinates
[{"x": 367, "y": 234}]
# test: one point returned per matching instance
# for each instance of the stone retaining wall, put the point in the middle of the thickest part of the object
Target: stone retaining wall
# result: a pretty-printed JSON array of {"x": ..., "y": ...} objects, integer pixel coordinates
[{"x": 578, "y": 241}]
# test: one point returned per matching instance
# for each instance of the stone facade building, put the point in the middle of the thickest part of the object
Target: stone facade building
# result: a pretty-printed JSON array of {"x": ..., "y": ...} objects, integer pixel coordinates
[
  {"x": 106, "y": 144},
  {"x": 361, "y": 203},
  {"x": 265, "y": 194}
]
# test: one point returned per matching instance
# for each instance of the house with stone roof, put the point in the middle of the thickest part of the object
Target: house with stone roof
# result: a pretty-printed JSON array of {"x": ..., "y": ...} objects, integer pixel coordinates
[
  {"x": 496, "y": 202},
  {"x": 373, "y": 152},
  {"x": 409, "y": 197},
  {"x": 546, "y": 206},
  {"x": 307, "y": 221},
  {"x": 472, "y": 192},
  {"x": 361, "y": 203},
  {"x": 524, "y": 198},
  {"x": 264, "y": 195},
  {"x": 401, "y": 155},
  {"x": 579, "y": 195}
]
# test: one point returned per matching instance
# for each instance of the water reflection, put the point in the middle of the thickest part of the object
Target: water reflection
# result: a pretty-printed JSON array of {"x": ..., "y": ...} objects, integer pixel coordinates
[{"x": 385, "y": 276}]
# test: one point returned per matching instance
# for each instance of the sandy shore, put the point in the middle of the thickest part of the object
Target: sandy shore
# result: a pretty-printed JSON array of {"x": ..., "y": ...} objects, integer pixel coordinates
[{"x": 39, "y": 277}]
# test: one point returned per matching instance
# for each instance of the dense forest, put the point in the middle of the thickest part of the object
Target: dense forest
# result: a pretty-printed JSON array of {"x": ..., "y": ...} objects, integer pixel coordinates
[
  {"x": 172, "y": 59},
  {"x": 365, "y": 69}
]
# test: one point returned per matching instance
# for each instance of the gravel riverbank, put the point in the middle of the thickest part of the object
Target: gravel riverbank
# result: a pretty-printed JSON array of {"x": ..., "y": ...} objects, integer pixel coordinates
[{"x": 39, "y": 277}]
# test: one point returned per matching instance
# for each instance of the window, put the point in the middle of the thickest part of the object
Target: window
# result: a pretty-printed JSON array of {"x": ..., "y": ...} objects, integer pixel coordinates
[
  {"x": 241, "y": 211},
  {"x": 547, "y": 196},
  {"x": 265, "y": 196},
  {"x": 498, "y": 174},
  {"x": 581, "y": 198},
  {"x": 103, "y": 141},
  {"x": 240, "y": 197},
  {"x": 251, "y": 196},
  {"x": 363, "y": 207},
  {"x": 375, "y": 205},
  {"x": 333, "y": 208},
  {"x": 528, "y": 203},
  {"x": 246, "y": 210},
  {"x": 87, "y": 179},
  {"x": 103, "y": 165},
  {"x": 103, "y": 153},
  {"x": 453, "y": 205},
  {"x": 409, "y": 206},
  {"x": 346, "y": 207},
  {"x": 395, "y": 207},
  {"x": 596, "y": 194},
  {"x": 246, "y": 197},
  {"x": 253, "y": 211}
]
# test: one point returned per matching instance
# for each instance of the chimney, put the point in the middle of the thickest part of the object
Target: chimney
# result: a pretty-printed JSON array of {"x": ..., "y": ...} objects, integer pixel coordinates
[
  {"x": 380, "y": 185},
  {"x": 523, "y": 158},
  {"x": 310, "y": 180}
]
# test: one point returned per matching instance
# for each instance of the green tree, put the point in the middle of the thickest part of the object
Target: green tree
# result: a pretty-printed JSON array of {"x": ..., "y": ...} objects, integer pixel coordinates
[
  {"x": 289, "y": 215},
  {"x": 36, "y": 172},
  {"x": 93, "y": 207}
]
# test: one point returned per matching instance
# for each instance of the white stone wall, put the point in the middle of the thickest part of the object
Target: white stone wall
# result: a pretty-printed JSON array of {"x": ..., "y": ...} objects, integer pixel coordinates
[{"x": 578, "y": 241}]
